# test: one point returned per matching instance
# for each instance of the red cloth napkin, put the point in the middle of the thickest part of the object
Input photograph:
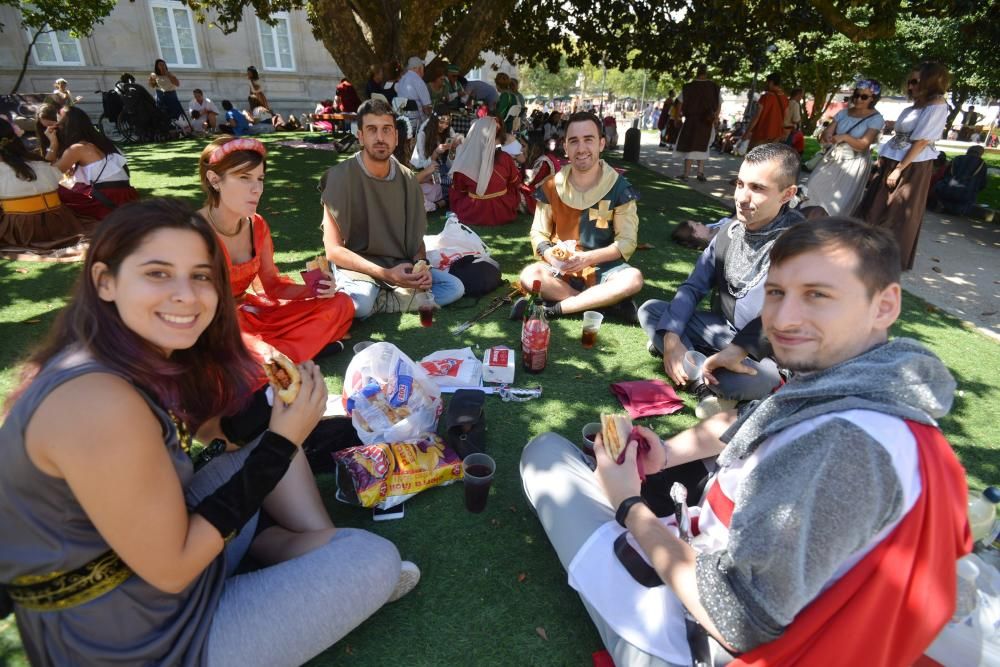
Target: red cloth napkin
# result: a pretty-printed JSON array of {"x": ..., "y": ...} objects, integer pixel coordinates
[
  {"x": 643, "y": 398},
  {"x": 602, "y": 659}
]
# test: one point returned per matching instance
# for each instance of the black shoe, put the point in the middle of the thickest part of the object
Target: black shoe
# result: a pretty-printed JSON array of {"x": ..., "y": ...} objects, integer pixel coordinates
[
  {"x": 331, "y": 349},
  {"x": 701, "y": 177},
  {"x": 625, "y": 311},
  {"x": 518, "y": 309},
  {"x": 653, "y": 352}
]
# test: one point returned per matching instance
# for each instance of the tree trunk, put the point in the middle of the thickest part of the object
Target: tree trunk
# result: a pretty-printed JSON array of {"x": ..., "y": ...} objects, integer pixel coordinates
[
  {"x": 24, "y": 61},
  {"x": 475, "y": 30},
  {"x": 361, "y": 33},
  {"x": 958, "y": 97}
]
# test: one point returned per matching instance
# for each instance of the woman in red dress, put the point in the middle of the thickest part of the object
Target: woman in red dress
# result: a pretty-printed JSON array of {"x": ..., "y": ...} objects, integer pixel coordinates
[
  {"x": 274, "y": 311},
  {"x": 484, "y": 180}
]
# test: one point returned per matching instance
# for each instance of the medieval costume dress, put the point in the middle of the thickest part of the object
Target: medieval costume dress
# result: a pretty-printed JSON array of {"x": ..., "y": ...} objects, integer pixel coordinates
[
  {"x": 32, "y": 217},
  {"x": 604, "y": 215},
  {"x": 485, "y": 180},
  {"x": 279, "y": 311},
  {"x": 700, "y": 103}
]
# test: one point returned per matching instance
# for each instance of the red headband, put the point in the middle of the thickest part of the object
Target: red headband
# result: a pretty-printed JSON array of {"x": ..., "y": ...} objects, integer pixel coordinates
[{"x": 237, "y": 145}]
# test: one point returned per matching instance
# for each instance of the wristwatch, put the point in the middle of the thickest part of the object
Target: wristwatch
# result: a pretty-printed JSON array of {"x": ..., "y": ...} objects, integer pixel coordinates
[{"x": 626, "y": 507}]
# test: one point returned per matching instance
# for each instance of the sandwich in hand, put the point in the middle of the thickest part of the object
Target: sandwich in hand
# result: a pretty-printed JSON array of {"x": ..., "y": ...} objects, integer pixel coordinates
[
  {"x": 321, "y": 263},
  {"x": 560, "y": 253},
  {"x": 284, "y": 376},
  {"x": 615, "y": 432},
  {"x": 420, "y": 266}
]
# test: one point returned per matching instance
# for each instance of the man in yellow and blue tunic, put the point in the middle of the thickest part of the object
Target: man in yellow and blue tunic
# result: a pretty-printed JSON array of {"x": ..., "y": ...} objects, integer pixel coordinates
[{"x": 589, "y": 202}]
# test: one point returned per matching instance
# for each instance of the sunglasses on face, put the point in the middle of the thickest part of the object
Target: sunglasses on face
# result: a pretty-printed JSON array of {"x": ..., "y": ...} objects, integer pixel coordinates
[
  {"x": 912, "y": 82},
  {"x": 861, "y": 96}
]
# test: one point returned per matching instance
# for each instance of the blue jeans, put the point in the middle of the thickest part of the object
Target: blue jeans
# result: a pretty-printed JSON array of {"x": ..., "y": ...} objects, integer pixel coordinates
[
  {"x": 446, "y": 289},
  {"x": 708, "y": 333}
]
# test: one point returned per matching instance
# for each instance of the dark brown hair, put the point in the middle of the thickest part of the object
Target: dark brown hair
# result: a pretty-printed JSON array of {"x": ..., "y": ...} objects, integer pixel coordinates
[
  {"x": 14, "y": 153},
  {"x": 211, "y": 378},
  {"x": 585, "y": 117},
  {"x": 237, "y": 162},
  {"x": 76, "y": 127},
  {"x": 875, "y": 248}
]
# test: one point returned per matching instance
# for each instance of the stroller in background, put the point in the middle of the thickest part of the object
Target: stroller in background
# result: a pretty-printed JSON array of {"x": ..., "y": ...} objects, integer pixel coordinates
[{"x": 134, "y": 114}]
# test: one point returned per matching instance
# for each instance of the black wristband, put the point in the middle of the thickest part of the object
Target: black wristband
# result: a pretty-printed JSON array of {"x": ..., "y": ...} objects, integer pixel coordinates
[
  {"x": 249, "y": 422},
  {"x": 626, "y": 507},
  {"x": 230, "y": 506},
  {"x": 543, "y": 246}
]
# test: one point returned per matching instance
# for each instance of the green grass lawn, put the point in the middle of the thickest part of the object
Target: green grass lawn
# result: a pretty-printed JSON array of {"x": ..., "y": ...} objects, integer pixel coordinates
[{"x": 491, "y": 581}]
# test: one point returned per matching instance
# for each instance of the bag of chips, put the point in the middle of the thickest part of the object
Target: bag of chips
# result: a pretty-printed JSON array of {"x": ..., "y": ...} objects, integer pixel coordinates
[{"x": 385, "y": 475}]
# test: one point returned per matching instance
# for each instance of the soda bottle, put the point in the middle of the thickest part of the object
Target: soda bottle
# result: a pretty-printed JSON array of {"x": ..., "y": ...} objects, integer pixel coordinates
[{"x": 535, "y": 333}]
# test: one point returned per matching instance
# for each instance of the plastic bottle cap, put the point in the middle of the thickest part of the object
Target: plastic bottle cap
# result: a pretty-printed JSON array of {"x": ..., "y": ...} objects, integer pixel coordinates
[
  {"x": 992, "y": 494},
  {"x": 967, "y": 569}
]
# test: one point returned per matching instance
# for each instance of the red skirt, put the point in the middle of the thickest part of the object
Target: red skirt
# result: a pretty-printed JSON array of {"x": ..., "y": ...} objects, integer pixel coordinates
[
  {"x": 299, "y": 328},
  {"x": 85, "y": 205}
]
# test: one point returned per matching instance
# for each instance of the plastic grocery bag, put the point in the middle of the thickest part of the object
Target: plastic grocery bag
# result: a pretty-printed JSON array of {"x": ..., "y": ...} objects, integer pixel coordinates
[
  {"x": 454, "y": 368},
  {"x": 385, "y": 475},
  {"x": 388, "y": 397},
  {"x": 454, "y": 242}
]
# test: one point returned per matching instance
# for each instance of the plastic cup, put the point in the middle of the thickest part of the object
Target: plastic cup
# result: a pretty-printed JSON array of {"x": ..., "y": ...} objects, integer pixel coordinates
[
  {"x": 591, "y": 324},
  {"x": 590, "y": 433},
  {"x": 693, "y": 362},
  {"x": 362, "y": 345},
  {"x": 425, "y": 306},
  {"x": 477, "y": 475}
]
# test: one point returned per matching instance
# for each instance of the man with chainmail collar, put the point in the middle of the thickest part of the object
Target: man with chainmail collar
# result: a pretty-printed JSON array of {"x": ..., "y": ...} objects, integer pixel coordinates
[
  {"x": 733, "y": 267},
  {"x": 829, "y": 532}
]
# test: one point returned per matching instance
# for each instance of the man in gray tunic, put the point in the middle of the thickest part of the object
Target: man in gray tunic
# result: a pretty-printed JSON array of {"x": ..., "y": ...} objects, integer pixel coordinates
[
  {"x": 823, "y": 502},
  {"x": 374, "y": 223}
]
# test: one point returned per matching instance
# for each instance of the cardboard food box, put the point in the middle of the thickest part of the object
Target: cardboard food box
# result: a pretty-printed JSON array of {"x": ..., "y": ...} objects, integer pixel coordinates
[{"x": 498, "y": 365}]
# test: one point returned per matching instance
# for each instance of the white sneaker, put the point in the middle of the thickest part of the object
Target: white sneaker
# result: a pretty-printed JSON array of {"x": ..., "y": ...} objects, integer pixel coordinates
[
  {"x": 711, "y": 406},
  {"x": 409, "y": 576}
]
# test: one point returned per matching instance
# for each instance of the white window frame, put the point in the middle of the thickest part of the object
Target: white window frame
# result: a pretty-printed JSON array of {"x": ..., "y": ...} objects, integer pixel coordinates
[
  {"x": 170, "y": 7},
  {"x": 59, "y": 61},
  {"x": 261, "y": 26},
  {"x": 475, "y": 74}
]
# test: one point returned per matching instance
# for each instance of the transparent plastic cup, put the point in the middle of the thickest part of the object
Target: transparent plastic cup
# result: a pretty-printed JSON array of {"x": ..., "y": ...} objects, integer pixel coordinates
[
  {"x": 591, "y": 325},
  {"x": 693, "y": 363},
  {"x": 477, "y": 475}
]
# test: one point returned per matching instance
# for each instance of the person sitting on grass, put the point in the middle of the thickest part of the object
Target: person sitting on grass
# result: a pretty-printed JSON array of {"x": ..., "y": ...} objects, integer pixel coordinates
[
  {"x": 733, "y": 266},
  {"x": 374, "y": 223},
  {"x": 302, "y": 321},
  {"x": 484, "y": 178},
  {"x": 965, "y": 177},
  {"x": 590, "y": 203},
  {"x": 235, "y": 122},
  {"x": 829, "y": 533},
  {"x": 109, "y": 528}
]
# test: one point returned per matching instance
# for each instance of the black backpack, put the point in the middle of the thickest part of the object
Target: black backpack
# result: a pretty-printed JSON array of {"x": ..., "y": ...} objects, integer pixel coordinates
[{"x": 479, "y": 277}]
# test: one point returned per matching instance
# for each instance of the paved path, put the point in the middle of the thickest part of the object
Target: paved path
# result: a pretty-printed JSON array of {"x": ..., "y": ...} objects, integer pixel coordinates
[{"x": 957, "y": 267}]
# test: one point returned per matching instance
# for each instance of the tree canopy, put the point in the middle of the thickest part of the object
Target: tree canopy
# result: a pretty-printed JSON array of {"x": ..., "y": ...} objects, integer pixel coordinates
[
  {"x": 664, "y": 36},
  {"x": 42, "y": 16}
]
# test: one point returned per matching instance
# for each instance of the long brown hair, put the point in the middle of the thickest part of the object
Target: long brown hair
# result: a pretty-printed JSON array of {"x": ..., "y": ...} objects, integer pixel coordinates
[
  {"x": 14, "y": 153},
  {"x": 211, "y": 378},
  {"x": 934, "y": 82}
]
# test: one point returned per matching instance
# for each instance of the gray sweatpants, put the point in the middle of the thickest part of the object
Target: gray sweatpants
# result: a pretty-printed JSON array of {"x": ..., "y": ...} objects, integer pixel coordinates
[
  {"x": 571, "y": 505},
  {"x": 287, "y": 613}
]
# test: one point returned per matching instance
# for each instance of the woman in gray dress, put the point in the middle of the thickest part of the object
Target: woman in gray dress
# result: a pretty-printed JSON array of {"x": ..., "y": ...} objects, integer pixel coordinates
[
  {"x": 839, "y": 181},
  {"x": 116, "y": 549}
]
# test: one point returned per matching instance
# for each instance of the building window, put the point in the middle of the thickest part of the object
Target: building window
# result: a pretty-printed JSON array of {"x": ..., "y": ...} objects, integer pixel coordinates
[
  {"x": 56, "y": 48},
  {"x": 174, "y": 28},
  {"x": 276, "y": 43},
  {"x": 475, "y": 74}
]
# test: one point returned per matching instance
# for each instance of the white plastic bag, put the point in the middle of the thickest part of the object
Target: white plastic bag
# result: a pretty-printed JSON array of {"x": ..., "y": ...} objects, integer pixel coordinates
[
  {"x": 389, "y": 397},
  {"x": 454, "y": 368},
  {"x": 454, "y": 242}
]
